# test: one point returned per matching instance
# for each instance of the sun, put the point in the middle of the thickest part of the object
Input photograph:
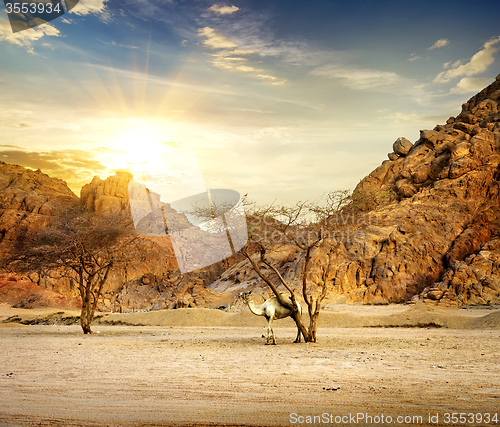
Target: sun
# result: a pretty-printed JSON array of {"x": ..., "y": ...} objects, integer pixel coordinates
[{"x": 137, "y": 148}]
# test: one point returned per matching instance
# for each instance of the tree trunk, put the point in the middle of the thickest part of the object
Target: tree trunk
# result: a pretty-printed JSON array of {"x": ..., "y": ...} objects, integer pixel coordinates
[
  {"x": 86, "y": 317},
  {"x": 301, "y": 327},
  {"x": 90, "y": 291},
  {"x": 313, "y": 325}
]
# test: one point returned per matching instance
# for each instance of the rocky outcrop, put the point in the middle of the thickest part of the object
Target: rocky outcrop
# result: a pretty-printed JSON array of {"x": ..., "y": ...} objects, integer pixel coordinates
[
  {"x": 106, "y": 196},
  {"x": 475, "y": 280},
  {"x": 29, "y": 200},
  {"x": 451, "y": 175},
  {"x": 26, "y": 294},
  {"x": 151, "y": 292},
  {"x": 112, "y": 196},
  {"x": 464, "y": 144}
]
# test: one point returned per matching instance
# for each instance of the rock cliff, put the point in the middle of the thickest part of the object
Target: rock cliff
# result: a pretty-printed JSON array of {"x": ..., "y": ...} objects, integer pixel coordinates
[
  {"x": 449, "y": 212},
  {"x": 110, "y": 195},
  {"x": 29, "y": 200}
]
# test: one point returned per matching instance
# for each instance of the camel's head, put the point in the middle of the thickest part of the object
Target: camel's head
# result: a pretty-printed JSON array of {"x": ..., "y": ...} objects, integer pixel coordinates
[{"x": 245, "y": 296}]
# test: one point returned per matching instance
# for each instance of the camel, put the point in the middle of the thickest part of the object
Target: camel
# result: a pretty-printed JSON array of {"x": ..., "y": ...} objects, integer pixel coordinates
[{"x": 271, "y": 309}]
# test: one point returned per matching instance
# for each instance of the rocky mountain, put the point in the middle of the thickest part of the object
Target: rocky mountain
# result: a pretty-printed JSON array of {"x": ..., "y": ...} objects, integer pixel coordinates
[
  {"x": 428, "y": 228},
  {"x": 29, "y": 200},
  {"x": 431, "y": 223}
]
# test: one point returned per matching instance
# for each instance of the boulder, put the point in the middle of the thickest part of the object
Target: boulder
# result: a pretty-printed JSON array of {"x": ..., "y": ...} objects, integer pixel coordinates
[{"x": 402, "y": 146}]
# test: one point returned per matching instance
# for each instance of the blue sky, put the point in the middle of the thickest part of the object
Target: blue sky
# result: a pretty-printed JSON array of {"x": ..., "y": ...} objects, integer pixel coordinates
[{"x": 279, "y": 99}]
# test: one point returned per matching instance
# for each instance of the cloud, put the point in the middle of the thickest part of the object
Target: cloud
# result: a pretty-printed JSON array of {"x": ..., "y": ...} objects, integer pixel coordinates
[
  {"x": 215, "y": 40},
  {"x": 27, "y": 37},
  {"x": 478, "y": 64},
  {"x": 361, "y": 79},
  {"x": 255, "y": 33},
  {"x": 468, "y": 85},
  {"x": 440, "y": 43},
  {"x": 414, "y": 57},
  {"x": 254, "y": 110},
  {"x": 416, "y": 118},
  {"x": 92, "y": 7},
  {"x": 274, "y": 80},
  {"x": 224, "y": 10},
  {"x": 229, "y": 57},
  {"x": 246, "y": 68},
  {"x": 113, "y": 43},
  {"x": 302, "y": 54}
]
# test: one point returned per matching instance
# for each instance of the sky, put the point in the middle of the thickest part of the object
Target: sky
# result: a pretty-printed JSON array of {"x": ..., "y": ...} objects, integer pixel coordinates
[{"x": 283, "y": 100}]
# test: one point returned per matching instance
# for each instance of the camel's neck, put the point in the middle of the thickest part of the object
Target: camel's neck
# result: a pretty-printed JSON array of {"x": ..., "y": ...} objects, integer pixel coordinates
[{"x": 258, "y": 310}]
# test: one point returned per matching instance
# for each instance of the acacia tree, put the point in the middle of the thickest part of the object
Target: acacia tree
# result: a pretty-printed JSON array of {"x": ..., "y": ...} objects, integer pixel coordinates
[
  {"x": 307, "y": 226},
  {"x": 83, "y": 247}
]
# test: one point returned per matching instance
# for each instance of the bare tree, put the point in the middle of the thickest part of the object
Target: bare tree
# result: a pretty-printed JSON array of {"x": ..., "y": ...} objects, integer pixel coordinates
[
  {"x": 307, "y": 226},
  {"x": 84, "y": 248}
]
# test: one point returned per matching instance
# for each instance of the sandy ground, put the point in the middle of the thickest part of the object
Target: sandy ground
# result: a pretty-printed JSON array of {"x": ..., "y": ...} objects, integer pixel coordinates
[{"x": 216, "y": 370}]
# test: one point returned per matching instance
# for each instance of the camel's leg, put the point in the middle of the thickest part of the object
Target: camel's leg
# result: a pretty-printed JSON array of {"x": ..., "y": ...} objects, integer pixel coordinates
[
  {"x": 268, "y": 336},
  {"x": 273, "y": 337},
  {"x": 270, "y": 332}
]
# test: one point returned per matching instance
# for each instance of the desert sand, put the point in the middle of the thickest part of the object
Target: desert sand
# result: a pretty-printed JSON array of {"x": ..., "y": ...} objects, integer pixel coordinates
[{"x": 208, "y": 367}]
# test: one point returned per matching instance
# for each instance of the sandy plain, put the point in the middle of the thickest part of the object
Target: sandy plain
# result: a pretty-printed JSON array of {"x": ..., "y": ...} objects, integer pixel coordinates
[{"x": 206, "y": 367}]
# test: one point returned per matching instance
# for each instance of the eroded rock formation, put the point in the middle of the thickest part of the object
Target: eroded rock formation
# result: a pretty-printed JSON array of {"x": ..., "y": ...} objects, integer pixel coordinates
[{"x": 29, "y": 200}]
